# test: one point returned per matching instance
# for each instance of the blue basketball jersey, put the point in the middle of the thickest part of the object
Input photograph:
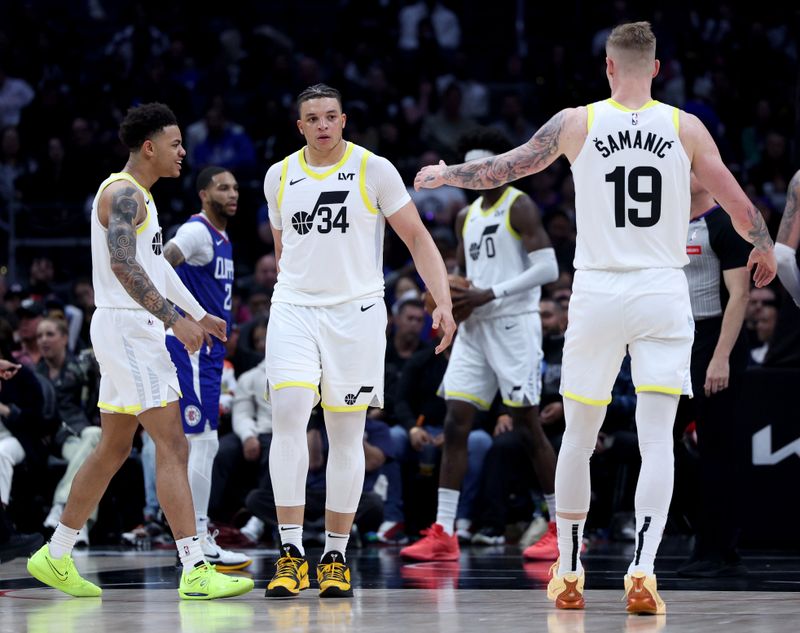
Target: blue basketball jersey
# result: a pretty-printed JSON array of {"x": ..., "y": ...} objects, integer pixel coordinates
[{"x": 212, "y": 283}]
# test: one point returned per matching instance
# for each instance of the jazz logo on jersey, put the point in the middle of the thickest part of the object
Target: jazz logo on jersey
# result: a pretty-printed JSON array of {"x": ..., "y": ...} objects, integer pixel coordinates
[
  {"x": 351, "y": 398},
  {"x": 303, "y": 222},
  {"x": 475, "y": 247},
  {"x": 157, "y": 244}
]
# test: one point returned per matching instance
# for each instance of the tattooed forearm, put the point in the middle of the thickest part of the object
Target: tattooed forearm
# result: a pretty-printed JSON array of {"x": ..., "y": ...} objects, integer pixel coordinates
[
  {"x": 488, "y": 173},
  {"x": 122, "y": 248},
  {"x": 758, "y": 233},
  {"x": 789, "y": 220}
]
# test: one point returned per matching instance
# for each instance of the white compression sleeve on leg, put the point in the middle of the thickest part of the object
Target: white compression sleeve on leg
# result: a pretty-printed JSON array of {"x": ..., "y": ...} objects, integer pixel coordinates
[
  {"x": 655, "y": 417},
  {"x": 345, "y": 471},
  {"x": 202, "y": 451},
  {"x": 573, "y": 488},
  {"x": 288, "y": 453}
]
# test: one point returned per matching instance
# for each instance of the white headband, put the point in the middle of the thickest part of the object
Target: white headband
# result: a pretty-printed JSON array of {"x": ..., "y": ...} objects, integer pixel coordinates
[{"x": 475, "y": 154}]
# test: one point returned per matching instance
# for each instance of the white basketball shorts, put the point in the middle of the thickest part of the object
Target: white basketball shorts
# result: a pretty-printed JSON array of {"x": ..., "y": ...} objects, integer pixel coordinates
[
  {"x": 136, "y": 372},
  {"x": 337, "y": 351},
  {"x": 646, "y": 312},
  {"x": 504, "y": 353}
]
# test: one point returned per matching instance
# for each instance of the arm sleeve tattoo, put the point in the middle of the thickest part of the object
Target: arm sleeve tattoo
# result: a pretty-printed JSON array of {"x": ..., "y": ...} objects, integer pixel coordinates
[
  {"x": 790, "y": 212},
  {"x": 122, "y": 248},
  {"x": 488, "y": 173}
]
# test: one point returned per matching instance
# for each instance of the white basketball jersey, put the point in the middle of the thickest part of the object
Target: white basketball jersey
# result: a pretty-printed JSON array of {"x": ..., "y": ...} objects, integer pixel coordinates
[
  {"x": 332, "y": 234},
  {"x": 632, "y": 193},
  {"x": 494, "y": 253},
  {"x": 108, "y": 291}
]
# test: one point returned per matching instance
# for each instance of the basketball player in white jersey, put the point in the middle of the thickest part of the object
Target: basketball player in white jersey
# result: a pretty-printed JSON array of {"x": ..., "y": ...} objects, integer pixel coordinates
[
  {"x": 788, "y": 241},
  {"x": 328, "y": 204},
  {"x": 631, "y": 158},
  {"x": 138, "y": 384},
  {"x": 506, "y": 255}
]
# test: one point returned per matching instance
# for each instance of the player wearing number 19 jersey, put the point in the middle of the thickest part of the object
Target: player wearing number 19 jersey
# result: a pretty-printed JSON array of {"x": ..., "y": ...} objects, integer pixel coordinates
[
  {"x": 328, "y": 205},
  {"x": 631, "y": 158}
]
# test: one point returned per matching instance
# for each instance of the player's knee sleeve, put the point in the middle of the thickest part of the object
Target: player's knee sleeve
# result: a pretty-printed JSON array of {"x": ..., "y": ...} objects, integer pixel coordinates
[
  {"x": 655, "y": 417},
  {"x": 573, "y": 485},
  {"x": 345, "y": 471},
  {"x": 288, "y": 453},
  {"x": 202, "y": 450}
]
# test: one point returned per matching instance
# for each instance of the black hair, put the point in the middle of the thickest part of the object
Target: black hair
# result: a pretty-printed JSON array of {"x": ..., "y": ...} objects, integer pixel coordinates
[
  {"x": 488, "y": 138},
  {"x": 318, "y": 91},
  {"x": 144, "y": 121},
  {"x": 206, "y": 176}
]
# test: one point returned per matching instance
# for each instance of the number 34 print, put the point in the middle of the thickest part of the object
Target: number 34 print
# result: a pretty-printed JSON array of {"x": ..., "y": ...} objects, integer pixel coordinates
[{"x": 303, "y": 222}]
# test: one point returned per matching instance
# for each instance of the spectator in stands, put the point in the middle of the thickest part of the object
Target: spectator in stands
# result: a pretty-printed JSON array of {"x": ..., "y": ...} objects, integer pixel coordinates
[
  {"x": 29, "y": 314},
  {"x": 442, "y": 131},
  {"x": 15, "y": 94},
  {"x": 765, "y": 327},
  {"x": 23, "y": 429},
  {"x": 76, "y": 383},
  {"x": 264, "y": 276},
  {"x": 242, "y": 461}
]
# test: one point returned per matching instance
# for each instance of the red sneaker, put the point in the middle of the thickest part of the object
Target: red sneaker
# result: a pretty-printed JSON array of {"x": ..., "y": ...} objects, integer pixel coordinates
[
  {"x": 436, "y": 544},
  {"x": 546, "y": 548}
]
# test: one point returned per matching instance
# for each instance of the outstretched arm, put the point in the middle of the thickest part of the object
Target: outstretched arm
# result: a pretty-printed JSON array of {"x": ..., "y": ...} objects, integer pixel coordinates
[
  {"x": 788, "y": 240},
  {"x": 556, "y": 137},
  {"x": 716, "y": 177}
]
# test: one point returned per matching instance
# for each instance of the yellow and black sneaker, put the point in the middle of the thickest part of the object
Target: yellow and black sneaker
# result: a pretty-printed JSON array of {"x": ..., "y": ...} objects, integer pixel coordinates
[
  {"x": 333, "y": 576},
  {"x": 291, "y": 575}
]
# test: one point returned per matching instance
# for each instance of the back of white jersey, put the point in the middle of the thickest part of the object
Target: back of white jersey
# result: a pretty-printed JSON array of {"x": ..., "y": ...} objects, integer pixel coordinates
[
  {"x": 331, "y": 233},
  {"x": 108, "y": 291},
  {"x": 632, "y": 192},
  {"x": 494, "y": 253}
]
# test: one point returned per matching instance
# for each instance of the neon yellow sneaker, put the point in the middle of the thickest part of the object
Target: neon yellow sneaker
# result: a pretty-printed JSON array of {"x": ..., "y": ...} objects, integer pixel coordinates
[
  {"x": 291, "y": 575},
  {"x": 60, "y": 573},
  {"x": 641, "y": 592},
  {"x": 567, "y": 590},
  {"x": 333, "y": 576},
  {"x": 204, "y": 582}
]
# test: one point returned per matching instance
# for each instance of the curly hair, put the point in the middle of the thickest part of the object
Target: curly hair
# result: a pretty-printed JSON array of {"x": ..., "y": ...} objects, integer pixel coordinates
[
  {"x": 143, "y": 122},
  {"x": 487, "y": 138}
]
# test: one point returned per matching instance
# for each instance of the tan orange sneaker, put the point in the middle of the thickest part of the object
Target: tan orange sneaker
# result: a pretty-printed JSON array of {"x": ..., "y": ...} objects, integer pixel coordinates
[
  {"x": 566, "y": 590},
  {"x": 641, "y": 592}
]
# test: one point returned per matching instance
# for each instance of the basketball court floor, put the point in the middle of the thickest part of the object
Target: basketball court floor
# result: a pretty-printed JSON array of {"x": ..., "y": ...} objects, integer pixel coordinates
[{"x": 488, "y": 590}]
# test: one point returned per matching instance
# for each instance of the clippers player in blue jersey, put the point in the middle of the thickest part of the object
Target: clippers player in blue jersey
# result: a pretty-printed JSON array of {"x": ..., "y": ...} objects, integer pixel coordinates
[{"x": 202, "y": 255}]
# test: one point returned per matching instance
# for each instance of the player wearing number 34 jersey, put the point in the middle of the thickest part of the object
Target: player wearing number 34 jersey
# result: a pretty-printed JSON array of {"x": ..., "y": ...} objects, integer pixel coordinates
[
  {"x": 328, "y": 205},
  {"x": 631, "y": 158}
]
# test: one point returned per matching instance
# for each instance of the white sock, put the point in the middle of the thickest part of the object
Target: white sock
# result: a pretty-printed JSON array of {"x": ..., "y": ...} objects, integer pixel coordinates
[
  {"x": 335, "y": 542},
  {"x": 190, "y": 552},
  {"x": 446, "y": 509},
  {"x": 62, "y": 541},
  {"x": 550, "y": 500},
  {"x": 570, "y": 539},
  {"x": 649, "y": 528},
  {"x": 202, "y": 450},
  {"x": 292, "y": 534}
]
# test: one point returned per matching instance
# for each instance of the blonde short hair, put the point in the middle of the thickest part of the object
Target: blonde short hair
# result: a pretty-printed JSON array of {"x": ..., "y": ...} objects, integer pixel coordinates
[{"x": 634, "y": 42}]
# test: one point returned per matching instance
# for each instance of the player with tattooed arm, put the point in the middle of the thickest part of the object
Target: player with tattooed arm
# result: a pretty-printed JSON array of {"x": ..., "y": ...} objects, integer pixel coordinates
[
  {"x": 631, "y": 158},
  {"x": 138, "y": 384}
]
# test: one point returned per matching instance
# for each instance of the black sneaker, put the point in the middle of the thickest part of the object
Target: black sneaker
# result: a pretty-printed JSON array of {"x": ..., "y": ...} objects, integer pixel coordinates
[{"x": 488, "y": 536}]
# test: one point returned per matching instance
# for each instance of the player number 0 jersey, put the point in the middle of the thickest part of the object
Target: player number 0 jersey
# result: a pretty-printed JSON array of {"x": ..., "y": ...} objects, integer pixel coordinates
[{"x": 494, "y": 252}]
